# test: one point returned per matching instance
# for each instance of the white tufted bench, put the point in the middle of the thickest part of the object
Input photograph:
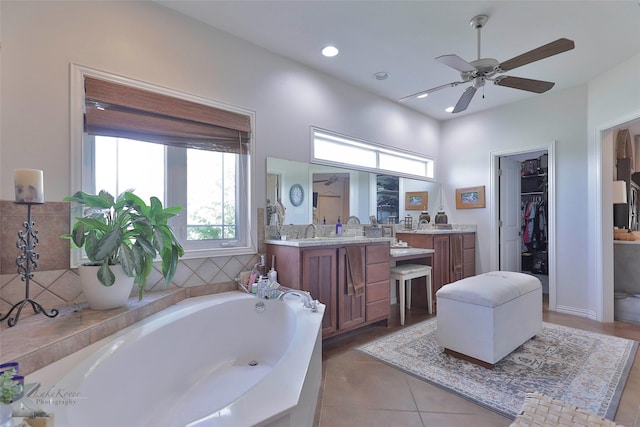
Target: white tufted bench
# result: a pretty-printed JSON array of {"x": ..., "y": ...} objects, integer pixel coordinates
[{"x": 485, "y": 317}]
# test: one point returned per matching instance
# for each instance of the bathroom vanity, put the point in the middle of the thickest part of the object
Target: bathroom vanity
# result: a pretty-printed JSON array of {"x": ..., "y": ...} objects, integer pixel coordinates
[
  {"x": 454, "y": 255},
  {"x": 320, "y": 267}
]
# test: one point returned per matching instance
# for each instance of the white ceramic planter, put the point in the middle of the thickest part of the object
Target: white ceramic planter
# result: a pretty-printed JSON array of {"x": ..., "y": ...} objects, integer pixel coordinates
[{"x": 102, "y": 297}]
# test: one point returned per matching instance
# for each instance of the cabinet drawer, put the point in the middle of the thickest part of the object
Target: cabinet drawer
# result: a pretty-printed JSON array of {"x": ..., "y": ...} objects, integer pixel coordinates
[
  {"x": 469, "y": 240},
  {"x": 377, "y": 272},
  {"x": 378, "y": 310},
  {"x": 377, "y": 253},
  {"x": 377, "y": 291}
]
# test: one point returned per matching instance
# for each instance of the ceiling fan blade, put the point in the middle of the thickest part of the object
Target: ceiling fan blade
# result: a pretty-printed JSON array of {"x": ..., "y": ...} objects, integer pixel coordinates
[
  {"x": 537, "y": 86},
  {"x": 465, "y": 99},
  {"x": 550, "y": 49},
  {"x": 428, "y": 91},
  {"x": 457, "y": 63}
]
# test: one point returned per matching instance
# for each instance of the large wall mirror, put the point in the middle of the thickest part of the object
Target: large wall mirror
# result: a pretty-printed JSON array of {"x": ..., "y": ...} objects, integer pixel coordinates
[{"x": 314, "y": 193}]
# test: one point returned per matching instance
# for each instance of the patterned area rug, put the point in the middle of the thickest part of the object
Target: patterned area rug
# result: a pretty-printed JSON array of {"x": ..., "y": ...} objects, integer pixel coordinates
[{"x": 584, "y": 368}]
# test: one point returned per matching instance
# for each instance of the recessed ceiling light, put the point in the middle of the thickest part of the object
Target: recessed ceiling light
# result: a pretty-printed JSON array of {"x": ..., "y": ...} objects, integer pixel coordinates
[
  {"x": 449, "y": 109},
  {"x": 330, "y": 51},
  {"x": 382, "y": 75}
]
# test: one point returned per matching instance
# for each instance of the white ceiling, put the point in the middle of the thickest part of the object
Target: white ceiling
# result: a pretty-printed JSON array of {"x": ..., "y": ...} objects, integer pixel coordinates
[{"x": 402, "y": 38}]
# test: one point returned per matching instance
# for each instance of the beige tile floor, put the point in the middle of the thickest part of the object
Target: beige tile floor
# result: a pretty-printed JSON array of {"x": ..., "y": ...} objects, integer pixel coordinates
[{"x": 360, "y": 391}]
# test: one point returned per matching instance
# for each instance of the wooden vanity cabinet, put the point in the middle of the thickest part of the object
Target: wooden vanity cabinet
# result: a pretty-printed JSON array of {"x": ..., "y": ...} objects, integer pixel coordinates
[
  {"x": 322, "y": 271},
  {"x": 454, "y": 256},
  {"x": 318, "y": 275},
  {"x": 377, "y": 291},
  {"x": 351, "y": 308}
]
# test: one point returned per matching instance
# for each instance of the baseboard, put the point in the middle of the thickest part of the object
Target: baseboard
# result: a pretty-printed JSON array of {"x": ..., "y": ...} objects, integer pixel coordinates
[{"x": 576, "y": 311}]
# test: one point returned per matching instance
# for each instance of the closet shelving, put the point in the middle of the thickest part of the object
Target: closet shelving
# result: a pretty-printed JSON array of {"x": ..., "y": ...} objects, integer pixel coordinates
[{"x": 534, "y": 210}]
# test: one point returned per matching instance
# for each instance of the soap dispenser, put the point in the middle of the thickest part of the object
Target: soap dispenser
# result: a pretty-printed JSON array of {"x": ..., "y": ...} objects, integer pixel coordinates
[{"x": 339, "y": 228}]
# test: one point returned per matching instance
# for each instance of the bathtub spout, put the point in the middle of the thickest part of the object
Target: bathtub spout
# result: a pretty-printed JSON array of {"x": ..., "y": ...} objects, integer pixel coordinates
[{"x": 305, "y": 296}]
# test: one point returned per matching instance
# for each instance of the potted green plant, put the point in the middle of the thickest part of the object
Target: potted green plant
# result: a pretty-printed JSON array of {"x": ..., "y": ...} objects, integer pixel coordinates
[
  {"x": 9, "y": 389},
  {"x": 121, "y": 237}
]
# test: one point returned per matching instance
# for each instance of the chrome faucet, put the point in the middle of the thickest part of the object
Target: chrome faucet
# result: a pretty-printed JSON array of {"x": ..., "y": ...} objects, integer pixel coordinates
[
  {"x": 305, "y": 296},
  {"x": 313, "y": 227}
]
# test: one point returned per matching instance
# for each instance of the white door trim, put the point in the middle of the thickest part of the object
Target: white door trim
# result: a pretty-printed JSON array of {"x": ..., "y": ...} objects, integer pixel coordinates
[
  {"x": 551, "y": 219},
  {"x": 601, "y": 220}
]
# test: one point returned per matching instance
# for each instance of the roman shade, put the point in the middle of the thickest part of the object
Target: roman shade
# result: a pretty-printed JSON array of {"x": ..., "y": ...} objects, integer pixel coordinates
[{"x": 116, "y": 110}]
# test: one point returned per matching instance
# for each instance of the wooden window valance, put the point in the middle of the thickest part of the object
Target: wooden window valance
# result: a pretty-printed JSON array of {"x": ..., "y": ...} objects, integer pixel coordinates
[{"x": 112, "y": 109}]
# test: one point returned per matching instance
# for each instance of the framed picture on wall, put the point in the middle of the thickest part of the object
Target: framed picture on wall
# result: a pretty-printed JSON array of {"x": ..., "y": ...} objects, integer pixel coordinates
[
  {"x": 470, "y": 197},
  {"x": 416, "y": 200},
  {"x": 387, "y": 231}
]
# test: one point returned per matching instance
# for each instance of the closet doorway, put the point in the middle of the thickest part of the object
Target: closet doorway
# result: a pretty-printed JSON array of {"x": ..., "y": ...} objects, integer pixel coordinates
[{"x": 525, "y": 231}]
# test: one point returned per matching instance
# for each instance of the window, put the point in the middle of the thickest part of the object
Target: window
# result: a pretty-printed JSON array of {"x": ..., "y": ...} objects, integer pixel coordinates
[
  {"x": 175, "y": 155},
  {"x": 336, "y": 150},
  {"x": 210, "y": 185}
]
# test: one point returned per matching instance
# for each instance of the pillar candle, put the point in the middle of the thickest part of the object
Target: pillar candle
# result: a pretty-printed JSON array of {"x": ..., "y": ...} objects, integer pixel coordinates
[{"x": 29, "y": 185}]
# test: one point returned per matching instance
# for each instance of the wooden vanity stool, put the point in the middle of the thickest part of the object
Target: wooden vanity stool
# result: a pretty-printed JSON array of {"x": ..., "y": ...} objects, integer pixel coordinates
[{"x": 404, "y": 273}]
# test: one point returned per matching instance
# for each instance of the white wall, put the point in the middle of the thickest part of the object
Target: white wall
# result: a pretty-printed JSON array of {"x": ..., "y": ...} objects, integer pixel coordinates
[
  {"x": 467, "y": 144},
  {"x": 614, "y": 100},
  {"x": 145, "y": 41}
]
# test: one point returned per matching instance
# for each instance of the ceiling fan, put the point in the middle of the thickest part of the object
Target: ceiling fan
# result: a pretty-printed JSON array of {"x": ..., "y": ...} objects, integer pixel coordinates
[
  {"x": 329, "y": 181},
  {"x": 482, "y": 69}
]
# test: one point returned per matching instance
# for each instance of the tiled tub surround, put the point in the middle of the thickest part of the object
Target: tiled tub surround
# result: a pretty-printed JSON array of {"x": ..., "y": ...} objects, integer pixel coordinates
[
  {"x": 54, "y": 284},
  {"x": 37, "y": 340},
  {"x": 213, "y": 380}
]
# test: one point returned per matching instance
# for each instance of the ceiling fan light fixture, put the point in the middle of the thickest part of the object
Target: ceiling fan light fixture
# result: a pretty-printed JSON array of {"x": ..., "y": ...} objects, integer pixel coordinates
[
  {"x": 479, "y": 71},
  {"x": 330, "y": 51}
]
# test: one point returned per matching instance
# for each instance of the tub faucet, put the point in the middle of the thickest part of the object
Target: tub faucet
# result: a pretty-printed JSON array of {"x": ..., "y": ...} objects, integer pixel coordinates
[
  {"x": 305, "y": 296},
  {"x": 313, "y": 228}
]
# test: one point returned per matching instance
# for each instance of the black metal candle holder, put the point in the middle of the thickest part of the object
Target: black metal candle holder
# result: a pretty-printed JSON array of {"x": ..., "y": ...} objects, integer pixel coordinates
[{"x": 27, "y": 261}]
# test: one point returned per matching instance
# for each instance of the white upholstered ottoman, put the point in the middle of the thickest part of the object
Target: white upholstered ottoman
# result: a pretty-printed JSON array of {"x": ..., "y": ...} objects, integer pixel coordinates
[{"x": 485, "y": 317}]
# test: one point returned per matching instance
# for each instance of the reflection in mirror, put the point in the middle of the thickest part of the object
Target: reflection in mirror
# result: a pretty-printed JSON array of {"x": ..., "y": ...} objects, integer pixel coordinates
[
  {"x": 329, "y": 192},
  {"x": 331, "y": 197}
]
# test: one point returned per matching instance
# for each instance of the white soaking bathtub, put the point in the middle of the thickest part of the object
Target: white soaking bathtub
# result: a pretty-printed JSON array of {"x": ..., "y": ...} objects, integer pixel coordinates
[{"x": 227, "y": 359}]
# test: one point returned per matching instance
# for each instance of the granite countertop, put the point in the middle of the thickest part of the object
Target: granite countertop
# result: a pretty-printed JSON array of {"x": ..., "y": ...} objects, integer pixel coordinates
[
  {"x": 327, "y": 241},
  {"x": 432, "y": 229},
  {"x": 400, "y": 252}
]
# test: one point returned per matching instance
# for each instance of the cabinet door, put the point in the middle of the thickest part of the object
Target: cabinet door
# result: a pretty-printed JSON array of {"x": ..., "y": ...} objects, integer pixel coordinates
[
  {"x": 319, "y": 274},
  {"x": 468, "y": 255},
  {"x": 351, "y": 308},
  {"x": 441, "y": 265},
  {"x": 456, "y": 251}
]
